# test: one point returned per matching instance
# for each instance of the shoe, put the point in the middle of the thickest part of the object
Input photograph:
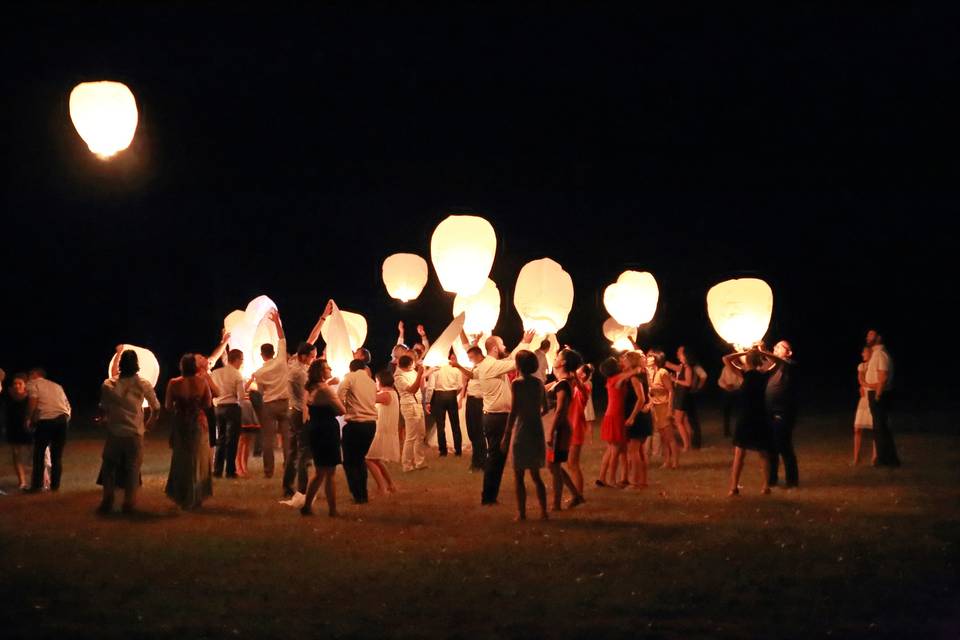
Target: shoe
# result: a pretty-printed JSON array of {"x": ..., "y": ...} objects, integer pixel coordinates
[
  {"x": 576, "y": 501},
  {"x": 306, "y": 511},
  {"x": 421, "y": 467}
]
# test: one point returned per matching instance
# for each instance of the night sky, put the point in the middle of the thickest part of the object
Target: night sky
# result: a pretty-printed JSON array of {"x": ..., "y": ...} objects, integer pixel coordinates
[{"x": 289, "y": 151}]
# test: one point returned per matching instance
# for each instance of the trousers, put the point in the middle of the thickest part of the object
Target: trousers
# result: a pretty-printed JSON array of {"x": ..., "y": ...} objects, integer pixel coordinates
[
  {"x": 494, "y": 424},
  {"x": 416, "y": 430},
  {"x": 274, "y": 419},
  {"x": 781, "y": 424},
  {"x": 357, "y": 437},
  {"x": 53, "y": 434},
  {"x": 475, "y": 431},
  {"x": 228, "y": 437},
  {"x": 444, "y": 404},
  {"x": 882, "y": 437}
]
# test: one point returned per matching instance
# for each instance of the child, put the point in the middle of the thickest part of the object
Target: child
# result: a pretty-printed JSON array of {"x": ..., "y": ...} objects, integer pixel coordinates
[{"x": 249, "y": 428}]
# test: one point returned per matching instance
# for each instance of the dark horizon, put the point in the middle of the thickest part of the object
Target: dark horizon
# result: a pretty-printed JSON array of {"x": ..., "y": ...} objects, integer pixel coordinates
[{"x": 805, "y": 148}]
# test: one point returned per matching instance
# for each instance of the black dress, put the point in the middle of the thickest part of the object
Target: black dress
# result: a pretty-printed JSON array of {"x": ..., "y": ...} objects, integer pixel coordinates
[
  {"x": 642, "y": 426},
  {"x": 324, "y": 435},
  {"x": 13, "y": 414},
  {"x": 529, "y": 447},
  {"x": 753, "y": 430}
]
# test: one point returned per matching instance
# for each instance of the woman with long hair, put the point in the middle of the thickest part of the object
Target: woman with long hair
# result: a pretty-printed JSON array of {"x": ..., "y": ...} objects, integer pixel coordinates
[
  {"x": 612, "y": 428},
  {"x": 637, "y": 422},
  {"x": 682, "y": 387},
  {"x": 14, "y": 409},
  {"x": 562, "y": 434},
  {"x": 321, "y": 406},
  {"x": 188, "y": 396},
  {"x": 386, "y": 444},
  {"x": 660, "y": 387},
  {"x": 525, "y": 425}
]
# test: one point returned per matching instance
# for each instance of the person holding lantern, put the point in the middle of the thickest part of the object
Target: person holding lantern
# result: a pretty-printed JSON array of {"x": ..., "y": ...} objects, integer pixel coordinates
[
  {"x": 529, "y": 451},
  {"x": 408, "y": 381},
  {"x": 782, "y": 410},
  {"x": 612, "y": 429}
]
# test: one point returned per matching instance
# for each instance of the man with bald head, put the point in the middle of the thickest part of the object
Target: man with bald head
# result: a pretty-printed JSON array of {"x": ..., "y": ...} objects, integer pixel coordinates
[{"x": 491, "y": 373}]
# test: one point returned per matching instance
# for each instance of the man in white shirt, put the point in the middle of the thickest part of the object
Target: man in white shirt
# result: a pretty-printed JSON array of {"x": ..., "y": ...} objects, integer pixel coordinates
[
  {"x": 48, "y": 410},
  {"x": 274, "y": 383},
  {"x": 229, "y": 382},
  {"x": 122, "y": 401},
  {"x": 407, "y": 381},
  {"x": 542, "y": 364},
  {"x": 358, "y": 393},
  {"x": 495, "y": 385},
  {"x": 447, "y": 382},
  {"x": 879, "y": 379}
]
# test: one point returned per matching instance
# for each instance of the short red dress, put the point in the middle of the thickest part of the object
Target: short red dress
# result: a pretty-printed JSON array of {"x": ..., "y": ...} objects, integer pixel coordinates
[
  {"x": 612, "y": 429},
  {"x": 578, "y": 422}
]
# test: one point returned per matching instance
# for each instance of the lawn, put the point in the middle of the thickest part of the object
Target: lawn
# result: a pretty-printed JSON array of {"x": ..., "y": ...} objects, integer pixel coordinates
[{"x": 854, "y": 552}]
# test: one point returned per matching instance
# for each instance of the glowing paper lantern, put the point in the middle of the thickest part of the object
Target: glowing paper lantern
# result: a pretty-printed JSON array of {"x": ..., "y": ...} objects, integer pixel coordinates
[
  {"x": 462, "y": 357},
  {"x": 404, "y": 275},
  {"x": 440, "y": 349},
  {"x": 740, "y": 310},
  {"x": 356, "y": 329},
  {"x": 105, "y": 115},
  {"x": 552, "y": 351},
  {"x": 462, "y": 250},
  {"x": 619, "y": 335},
  {"x": 632, "y": 299},
  {"x": 249, "y": 329},
  {"x": 482, "y": 309},
  {"x": 149, "y": 367},
  {"x": 543, "y": 296},
  {"x": 337, "y": 336}
]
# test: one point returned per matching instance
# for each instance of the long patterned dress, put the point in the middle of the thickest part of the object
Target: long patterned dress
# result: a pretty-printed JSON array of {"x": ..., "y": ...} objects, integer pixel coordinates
[{"x": 190, "y": 479}]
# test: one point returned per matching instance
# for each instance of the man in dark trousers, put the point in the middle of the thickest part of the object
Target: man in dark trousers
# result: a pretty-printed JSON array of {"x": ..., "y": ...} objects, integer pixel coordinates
[
  {"x": 879, "y": 376},
  {"x": 782, "y": 411}
]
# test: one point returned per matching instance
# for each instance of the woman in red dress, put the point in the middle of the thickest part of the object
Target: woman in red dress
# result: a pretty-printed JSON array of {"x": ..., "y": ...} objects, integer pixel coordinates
[
  {"x": 188, "y": 395},
  {"x": 613, "y": 430}
]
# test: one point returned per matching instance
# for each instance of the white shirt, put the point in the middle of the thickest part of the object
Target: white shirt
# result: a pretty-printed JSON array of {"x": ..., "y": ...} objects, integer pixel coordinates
[
  {"x": 473, "y": 388},
  {"x": 122, "y": 399},
  {"x": 51, "y": 399},
  {"x": 402, "y": 381},
  {"x": 358, "y": 393},
  {"x": 230, "y": 382},
  {"x": 541, "y": 365},
  {"x": 297, "y": 375},
  {"x": 879, "y": 361},
  {"x": 494, "y": 384},
  {"x": 272, "y": 377},
  {"x": 448, "y": 379}
]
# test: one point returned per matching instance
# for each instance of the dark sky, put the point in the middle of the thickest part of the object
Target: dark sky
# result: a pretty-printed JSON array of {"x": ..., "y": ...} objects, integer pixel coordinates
[{"x": 287, "y": 151}]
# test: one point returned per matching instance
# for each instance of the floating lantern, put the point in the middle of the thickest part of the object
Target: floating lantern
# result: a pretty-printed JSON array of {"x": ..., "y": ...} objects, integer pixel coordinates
[
  {"x": 619, "y": 335},
  {"x": 337, "y": 336},
  {"x": 632, "y": 299},
  {"x": 105, "y": 115},
  {"x": 356, "y": 329},
  {"x": 740, "y": 310},
  {"x": 404, "y": 275},
  {"x": 149, "y": 366},
  {"x": 439, "y": 351},
  {"x": 462, "y": 250},
  {"x": 249, "y": 329},
  {"x": 543, "y": 296},
  {"x": 482, "y": 309}
]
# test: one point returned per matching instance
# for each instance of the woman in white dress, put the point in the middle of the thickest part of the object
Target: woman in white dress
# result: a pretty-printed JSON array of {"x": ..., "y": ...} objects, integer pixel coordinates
[
  {"x": 386, "y": 443},
  {"x": 863, "y": 419}
]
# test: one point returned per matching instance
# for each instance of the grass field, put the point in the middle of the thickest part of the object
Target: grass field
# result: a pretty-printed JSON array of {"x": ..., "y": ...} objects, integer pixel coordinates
[{"x": 854, "y": 552}]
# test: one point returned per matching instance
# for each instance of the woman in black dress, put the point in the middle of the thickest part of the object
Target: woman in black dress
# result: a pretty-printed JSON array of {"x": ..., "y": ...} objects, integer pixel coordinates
[
  {"x": 638, "y": 423},
  {"x": 14, "y": 408},
  {"x": 561, "y": 430},
  {"x": 321, "y": 406},
  {"x": 752, "y": 431},
  {"x": 529, "y": 449}
]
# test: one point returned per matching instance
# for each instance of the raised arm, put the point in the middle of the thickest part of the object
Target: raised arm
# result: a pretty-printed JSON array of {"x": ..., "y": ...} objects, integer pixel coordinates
[
  {"x": 400, "y": 330},
  {"x": 733, "y": 360},
  {"x": 524, "y": 343},
  {"x": 115, "y": 362},
  {"x": 219, "y": 351},
  {"x": 315, "y": 332},
  {"x": 424, "y": 340}
]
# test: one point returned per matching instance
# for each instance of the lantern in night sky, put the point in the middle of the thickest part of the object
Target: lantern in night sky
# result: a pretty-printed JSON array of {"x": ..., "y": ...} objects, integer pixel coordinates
[
  {"x": 404, "y": 275},
  {"x": 337, "y": 336},
  {"x": 740, "y": 310},
  {"x": 482, "y": 309},
  {"x": 356, "y": 326},
  {"x": 149, "y": 366},
  {"x": 619, "y": 335},
  {"x": 439, "y": 350},
  {"x": 105, "y": 115},
  {"x": 543, "y": 296},
  {"x": 462, "y": 250},
  {"x": 632, "y": 299}
]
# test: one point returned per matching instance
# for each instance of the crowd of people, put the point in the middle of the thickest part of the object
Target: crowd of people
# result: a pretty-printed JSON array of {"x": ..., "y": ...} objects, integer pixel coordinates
[{"x": 517, "y": 406}]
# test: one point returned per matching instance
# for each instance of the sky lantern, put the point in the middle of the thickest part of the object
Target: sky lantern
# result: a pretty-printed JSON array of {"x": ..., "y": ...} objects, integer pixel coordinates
[
  {"x": 462, "y": 250},
  {"x": 619, "y": 335},
  {"x": 336, "y": 335},
  {"x": 105, "y": 115},
  {"x": 251, "y": 328},
  {"x": 543, "y": 296},
  {"x": 356, "y": 326},
  {"x": 740, "y": 310},
  {"x": 404, "y": 275},
  {"x": 632, "y": 299},
  {"x": 482, "y": 309},
  {"x": 149, "y": 366},
  {"x": 439, "y": 350}
]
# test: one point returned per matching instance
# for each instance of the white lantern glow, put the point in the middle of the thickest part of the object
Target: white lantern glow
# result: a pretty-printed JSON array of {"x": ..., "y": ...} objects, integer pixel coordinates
[
  {"x": 105, "y": 115},
  {"x": 482, "y": 309},
  {"x": 543, "y": 296},
  {"x": 632, "y": 299},
  {"x": 337, "y": 337},
  {"x": 740, "y": 310},
  {"x": 439, "y": 350},
  {"x": 249, "y": 329},
  {"x": 462, "y": 250},
  {"x": 619, "y": 335},
  {"x": 356, "y": 329},
  {"x": 149, "y": 366},
  {"x": 404, "y": 275}
]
